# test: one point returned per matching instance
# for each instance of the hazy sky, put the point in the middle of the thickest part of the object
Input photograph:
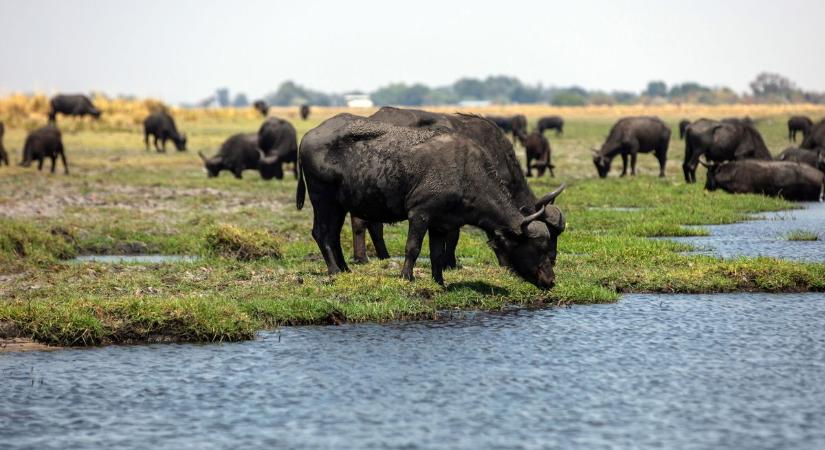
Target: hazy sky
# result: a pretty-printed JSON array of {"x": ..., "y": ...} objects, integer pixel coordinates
[{"x": 183, "y": 50}]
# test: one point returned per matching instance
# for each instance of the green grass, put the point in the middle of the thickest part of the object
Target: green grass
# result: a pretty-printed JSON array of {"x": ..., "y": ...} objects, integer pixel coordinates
[
  {"x": 801, "y": 235},
  {"x": 259, "y": 267}
]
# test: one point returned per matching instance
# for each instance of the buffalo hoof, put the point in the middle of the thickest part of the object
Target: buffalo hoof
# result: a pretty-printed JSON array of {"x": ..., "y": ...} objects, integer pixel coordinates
[{"x": 407, "y": 275}]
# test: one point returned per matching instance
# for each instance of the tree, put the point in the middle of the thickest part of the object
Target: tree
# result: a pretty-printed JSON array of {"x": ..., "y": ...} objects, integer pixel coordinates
[
  {"x": 773, "y": 86},
  {"x": 222, "y": 97},
  {"x": 656, "y": 89},
  {"x": 241, "y": 101},
  {"x": 469, "y": 89},
  {"x": 569, "y": 97},
  {"x": 401, "y": 94}
]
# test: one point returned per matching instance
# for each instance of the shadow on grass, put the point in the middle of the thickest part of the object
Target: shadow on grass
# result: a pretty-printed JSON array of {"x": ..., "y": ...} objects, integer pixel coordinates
[{"x": 479, "y": 287}]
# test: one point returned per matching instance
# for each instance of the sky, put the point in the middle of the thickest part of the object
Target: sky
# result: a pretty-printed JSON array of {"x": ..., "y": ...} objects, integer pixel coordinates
[{"x": 182, "y": 50}]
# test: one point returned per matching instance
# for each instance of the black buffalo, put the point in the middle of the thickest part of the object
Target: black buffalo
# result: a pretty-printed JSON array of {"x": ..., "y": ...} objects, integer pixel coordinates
[
  {"x": 261, "y": 107},
  {"x": 238, "y": 153},
  {"x": 551, "y": 123},
  {"x": 740, "y": 120},
  {"x": 789, "y": 180},
  {"x": 436, "y": 179},
  {"x": 799, "y": 124},
  {"x": 814, "y": 158},
  {"x": 278, "y": 140},
  {"x": 42, "y": 143},
  {"x": 304, "y": 111},
  {"x": 4, "y": 157},
  {"x": 537, "y": 148},
  {"x": 161, "y": 126},
  {"x": 629, "y": 137},
  {"x": 816, "y": 138},
  {"x": 516, "y": 125},
  {"x": 72, "y": 105},
  {"x": 683, "y": 124},
  {"x": 721, "y": 141}
]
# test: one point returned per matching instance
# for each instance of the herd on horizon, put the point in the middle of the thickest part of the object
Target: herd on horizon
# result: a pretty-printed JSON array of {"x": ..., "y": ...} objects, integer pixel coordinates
[{"x": 442, "y": 171}]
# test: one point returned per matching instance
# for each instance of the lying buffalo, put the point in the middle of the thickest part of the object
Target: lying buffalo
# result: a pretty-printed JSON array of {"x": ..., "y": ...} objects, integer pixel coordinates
[
  {"x": 516, "y": 125},
  {"x": 161, "y": 126},
  {"x": 816, "y": 138},
  {"x": 631, "y": 136},
  {"x": 436, "y": 179},
  {"x": 261, "y": 107},
  {"x": 537, "y": 148},
  {"x": 813, "y": 158},
  {"x": 72, "y": 105},
  {"x": 4, "y": 157},
  {"x": 551, "y": 123},
  {"x": 42, "y": 143},
  {"x": 238, "y": 153},
  {"x": 277, "y": 139},
  {"x": 789, "y": 180},
  {"x": 683, "y": 124},
  {"x": 304, "y": 111},
  {"x": 721, "y": 141},
  {"x": 799, "y": 124}
]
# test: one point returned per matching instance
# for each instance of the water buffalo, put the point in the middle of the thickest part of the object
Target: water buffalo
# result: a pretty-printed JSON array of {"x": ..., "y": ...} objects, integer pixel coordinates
[
  {"x": 161, "y": 126},
  {"x": 238, "y": 153},
  {"x": 304, "y": 111},
  {"x": 740, "y": 120},
  {"x": 551, "y": 123},
  {"x": 683, "y": 124},
  {"x": 277, "y": 139},
  {"x": 45, "y": 142},
  {"x": 517, "y": 125},
  {"x": 816, "y": 138},
  {"x": 797, "y": 124},
  {"x": 721, "y": 141},
  {"x": 72, "y": 105},
  {"x": 789, "y": 180},
  {"x": 814, "y": 158},
  {"x": 537, "y": 148},
  {"x": 261, "y": 107},
  {"x": 4, "y": 157},
  {"x": 436, "y": 179},
  {"x": 631, "y": 136}
]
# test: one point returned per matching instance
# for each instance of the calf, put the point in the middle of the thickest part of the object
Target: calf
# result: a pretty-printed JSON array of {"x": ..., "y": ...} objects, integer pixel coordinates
[
  {"x": 261, "y": 107},
  {"x": 72, "y": 105},
  {"x": 238, "y": 153},
  {"x": 45, "y": 142},
  {"x": 304, "y": 112},
  {"x": 4, "y": 157},
  {"x": 537, "y": 148},
  {"x": 789, "y": 180},
  {"x": 551, "y": 123},
  {"x": 799, "y": 124},
  {"x": 161, "y": 126}
]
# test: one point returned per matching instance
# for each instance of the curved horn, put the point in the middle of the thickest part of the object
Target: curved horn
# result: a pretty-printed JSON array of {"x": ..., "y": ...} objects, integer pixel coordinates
[
  {"x": 203, "y": 157},
  {"x": 532, "y": 217},
  {"x": 551, "y": 197}
]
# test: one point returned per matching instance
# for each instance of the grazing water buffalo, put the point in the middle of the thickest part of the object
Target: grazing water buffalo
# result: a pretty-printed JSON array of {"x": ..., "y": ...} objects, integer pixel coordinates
[
  {"x": 238, "y": 153},
  {"x": 797, "y": 124},
  {"x": 683, "y": 124},
  {"x": 161, "y": 126},
  {"x": 551, "y": 123},
  {"x": 775, "y": 178},
  {"x": 304, "y": 112},
  {"x": 631, "y": 136},
  {"x": 517, "y": 125},
  {"x": 436, "y": 179},
  {"x": 537, "y": 148},
  {"x": 721, "y": 141},
  {"x": 4, "y": 157},
  {"x": 261, "y": 106},
  {"x": 816, "y": 138},
  {"x": 45, "y": 142},
  {"x": 277, "y": 139},
  {"x": 72, "y": 105},
  {"x": 814, "y": 158}
]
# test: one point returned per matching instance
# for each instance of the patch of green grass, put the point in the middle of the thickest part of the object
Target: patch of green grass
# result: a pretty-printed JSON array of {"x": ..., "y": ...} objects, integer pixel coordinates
[
  {"x": 801, "y": 235},
  {"x": 242, "y": 244}
]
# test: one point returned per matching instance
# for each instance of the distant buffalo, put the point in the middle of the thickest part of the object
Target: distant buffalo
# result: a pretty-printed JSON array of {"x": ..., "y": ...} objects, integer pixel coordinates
[
  {"x": 516, "y": 125},
  {"x": 238, "y": 153},
  {"x": 551, "y": 123},
  {"x": 42, "y": 143},
  {"x": 813, "y": 158},
  {"x": 4, "y": 157},
  {"x": 816, "y": 138},
  {"x": 629, "y": 137},
  {"x": 721, "y": 141},
  {"x": 789, "y": 180},
  {"x": 683, "y": 124},
  {"x": 304, "y": 111},
  {"x": 261, "y": 106},
  {"x": 277, "y": 139},
  {"x": 797, "y": 124},
  {"x": 72, "y": 105},
  {"x": 537, "y": 148},
  {"x": 161, "y": 126}
]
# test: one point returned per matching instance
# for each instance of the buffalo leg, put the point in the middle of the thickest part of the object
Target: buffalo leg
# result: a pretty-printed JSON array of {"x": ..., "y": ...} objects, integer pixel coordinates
[
  {"x": 529, "y": 169},
  {"x": 327, "y": 223},
  {"x": 54, "y": 162},
  {"x": 417, "y": 229},
  {"x": 376, "y": 230},
  {"x": 624, "y": 164},
  {"x": 238, "y": 173},
  {"x": 451, "y": 242},
  {"x": 437, "y": 251},
  {"x": 155, "y": 140},
  {"x": 146, "y": 140},
  {"x": 163, "y": 144},
  {"x": 662, "y": 162},
  {"x": 633, "y": 163},
  {"x": 40, "y": 163},
  {"x": 65, "y": 166},
  {"x": 359, "y": 239}
]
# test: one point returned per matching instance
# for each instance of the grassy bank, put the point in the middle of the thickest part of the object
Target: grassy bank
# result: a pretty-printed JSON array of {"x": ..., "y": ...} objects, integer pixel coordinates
[{"x": 258, "y": 266}]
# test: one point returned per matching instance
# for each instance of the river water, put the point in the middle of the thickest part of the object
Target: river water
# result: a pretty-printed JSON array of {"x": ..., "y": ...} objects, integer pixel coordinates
[{"x": 652, "y": 371}]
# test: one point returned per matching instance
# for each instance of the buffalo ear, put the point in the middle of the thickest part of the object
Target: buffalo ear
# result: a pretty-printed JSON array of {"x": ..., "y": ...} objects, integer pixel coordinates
[{"x": 554, "y": 218}]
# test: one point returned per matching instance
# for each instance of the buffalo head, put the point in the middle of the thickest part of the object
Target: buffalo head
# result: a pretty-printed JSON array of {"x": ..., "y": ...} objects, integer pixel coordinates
[
  {"x": 710, "y": 183},
  {"x": 531, "y": 251},
  {"x": 602, "y": 164},
  {"x": 95, "y": 113},
  {"x": 213, "y": 165},
  {"x": 270, "y": 167},
  {"x": 180, "y": 143}
]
